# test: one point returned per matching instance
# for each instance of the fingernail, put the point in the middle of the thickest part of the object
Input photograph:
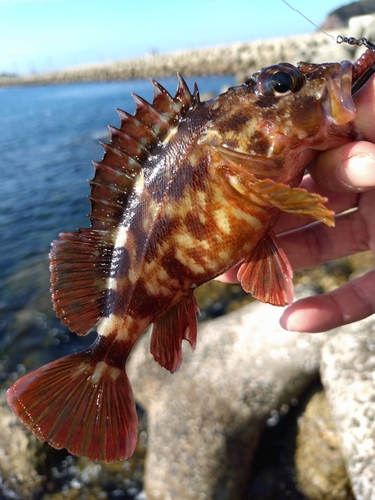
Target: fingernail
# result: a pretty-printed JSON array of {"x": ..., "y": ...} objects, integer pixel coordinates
[
  {"x": 286, "y": 322},
  {"x": 357, "y": 172}
]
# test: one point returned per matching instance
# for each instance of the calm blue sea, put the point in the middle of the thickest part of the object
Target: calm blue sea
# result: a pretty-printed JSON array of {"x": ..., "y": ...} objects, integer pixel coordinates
[{"x": 48, "y": 137}]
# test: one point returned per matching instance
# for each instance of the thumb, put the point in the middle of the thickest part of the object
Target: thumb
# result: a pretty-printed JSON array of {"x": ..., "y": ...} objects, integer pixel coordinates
[{"x": 347, "y": 168}]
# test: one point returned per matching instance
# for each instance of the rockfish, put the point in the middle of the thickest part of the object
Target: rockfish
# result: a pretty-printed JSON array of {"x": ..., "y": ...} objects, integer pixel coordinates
[{"x": 186, "y": 190}]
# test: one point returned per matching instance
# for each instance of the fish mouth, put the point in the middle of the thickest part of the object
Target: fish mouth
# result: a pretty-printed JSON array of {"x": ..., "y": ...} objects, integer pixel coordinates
[
  {"x": 339, "y": 105},
  {"x": 344, "y": 84},
  {"x": 362, "y": 70}
]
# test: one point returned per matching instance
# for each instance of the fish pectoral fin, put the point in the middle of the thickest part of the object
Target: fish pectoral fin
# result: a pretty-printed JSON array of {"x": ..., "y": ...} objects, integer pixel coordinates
[
  {"x": 170, "y": 329},
  {"x": 267, "y": 274},
  {"x": 254, "y": 164},
  {"x": 296, "y": 201},
  {"x": 79, "y": 403}
]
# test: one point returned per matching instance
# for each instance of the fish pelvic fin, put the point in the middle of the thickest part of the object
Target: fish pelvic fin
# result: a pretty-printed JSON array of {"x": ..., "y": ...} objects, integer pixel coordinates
[
  {"x": 82, "y": 405},
  {"x": 267, "y": 274},
  {"x": 170, "y": 329}
]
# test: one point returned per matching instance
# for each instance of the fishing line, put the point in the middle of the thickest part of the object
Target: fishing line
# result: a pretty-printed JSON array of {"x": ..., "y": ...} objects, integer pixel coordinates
[
  {"x": 309, "y": 20},
  {"x": 350, "y": 40}
]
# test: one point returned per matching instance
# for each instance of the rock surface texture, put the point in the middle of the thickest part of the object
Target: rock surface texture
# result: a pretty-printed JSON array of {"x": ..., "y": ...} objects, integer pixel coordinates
[
  {"x": 348, "y": 367},
  {"x": 206, "y": 420},
  {"x": 320, "y": 465}
]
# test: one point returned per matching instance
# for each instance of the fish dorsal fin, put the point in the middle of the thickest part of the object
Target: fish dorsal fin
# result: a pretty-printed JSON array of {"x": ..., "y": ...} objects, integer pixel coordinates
[
  {"x": 130, "y": 147},
  {"x": 80, "y": 262}
]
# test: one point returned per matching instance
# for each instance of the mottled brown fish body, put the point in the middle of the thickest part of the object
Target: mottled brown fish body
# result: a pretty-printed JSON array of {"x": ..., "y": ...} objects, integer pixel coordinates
[
  {"x": 198, "y": 222},
  {"x": 185, "y": 191},
  {"x": 194, "y": 230}
]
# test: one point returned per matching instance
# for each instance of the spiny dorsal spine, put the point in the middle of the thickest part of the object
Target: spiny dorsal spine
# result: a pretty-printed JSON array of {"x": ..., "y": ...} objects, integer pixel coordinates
[{"x": 131, "y": 146}]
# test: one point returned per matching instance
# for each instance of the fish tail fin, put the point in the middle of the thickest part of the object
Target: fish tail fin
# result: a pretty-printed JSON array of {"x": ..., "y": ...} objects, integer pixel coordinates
[{"x": 79, "y": 403}]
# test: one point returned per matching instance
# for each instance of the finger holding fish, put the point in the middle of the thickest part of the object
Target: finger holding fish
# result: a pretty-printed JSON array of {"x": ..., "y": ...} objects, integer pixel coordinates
[
  {"x": 351, "y": 167},
  {"x": 350, "y": 171},
  {"x": 313, "y": 245},
  {"x": 349, "y": 303}
]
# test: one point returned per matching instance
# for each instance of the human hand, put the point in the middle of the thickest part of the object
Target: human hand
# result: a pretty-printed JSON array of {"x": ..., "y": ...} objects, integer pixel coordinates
[{"x": 346, "y": 176}]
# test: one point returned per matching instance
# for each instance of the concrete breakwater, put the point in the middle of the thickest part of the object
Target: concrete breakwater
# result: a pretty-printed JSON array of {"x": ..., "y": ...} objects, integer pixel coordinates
[{"x": 241, "y": 59}]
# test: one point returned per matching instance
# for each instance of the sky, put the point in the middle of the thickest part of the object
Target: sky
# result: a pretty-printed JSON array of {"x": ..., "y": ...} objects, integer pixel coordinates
[{"x": 45, "y": 35}]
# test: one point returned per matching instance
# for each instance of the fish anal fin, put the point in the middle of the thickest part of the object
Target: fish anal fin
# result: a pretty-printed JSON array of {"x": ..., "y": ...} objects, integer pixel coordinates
[
  {"x": 79, "y": 264},
  {"x": 267, "y": 274},
  {"x": 84, "y": 406},
  {"x": 170, "y": 329}
]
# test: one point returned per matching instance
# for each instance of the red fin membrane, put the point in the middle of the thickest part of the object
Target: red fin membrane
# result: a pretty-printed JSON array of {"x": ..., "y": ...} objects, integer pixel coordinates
[
  {"x": 170, "y": 329},
  {"x": 79, "y": 264},
  {"x": 84, "y": 406},
  {"x": 267, "y": 274},
  {"x": 296, "y": 201}
]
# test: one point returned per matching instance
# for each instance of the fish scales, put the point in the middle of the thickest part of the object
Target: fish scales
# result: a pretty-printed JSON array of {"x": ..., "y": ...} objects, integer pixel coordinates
[{"x": 186, "y": 190}]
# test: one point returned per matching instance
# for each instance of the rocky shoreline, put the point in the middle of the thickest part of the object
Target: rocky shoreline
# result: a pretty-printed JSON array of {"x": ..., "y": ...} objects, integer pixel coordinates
[{"x": 241, "y": 59}]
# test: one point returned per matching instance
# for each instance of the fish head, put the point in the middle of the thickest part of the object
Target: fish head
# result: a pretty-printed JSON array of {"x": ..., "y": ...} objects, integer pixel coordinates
[{"x": 279, "y": 118}]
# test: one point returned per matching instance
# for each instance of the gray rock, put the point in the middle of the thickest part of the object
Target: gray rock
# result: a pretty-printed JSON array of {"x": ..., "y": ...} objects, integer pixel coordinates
[
  {"x": 206, "y": 420},
  {"x": 320, "y": 466},
  {"x": 348, "y": 366},
  {"x": 20, "y": 453}
]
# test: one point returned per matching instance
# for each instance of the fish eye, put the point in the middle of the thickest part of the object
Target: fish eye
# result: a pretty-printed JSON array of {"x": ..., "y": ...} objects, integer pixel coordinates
[
  {"x": 281, "y": 82},
  {"x": 281, "y": 79}
]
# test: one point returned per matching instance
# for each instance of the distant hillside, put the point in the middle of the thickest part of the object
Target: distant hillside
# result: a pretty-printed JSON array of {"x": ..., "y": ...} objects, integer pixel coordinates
[{"x": 340, "y": 17}]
